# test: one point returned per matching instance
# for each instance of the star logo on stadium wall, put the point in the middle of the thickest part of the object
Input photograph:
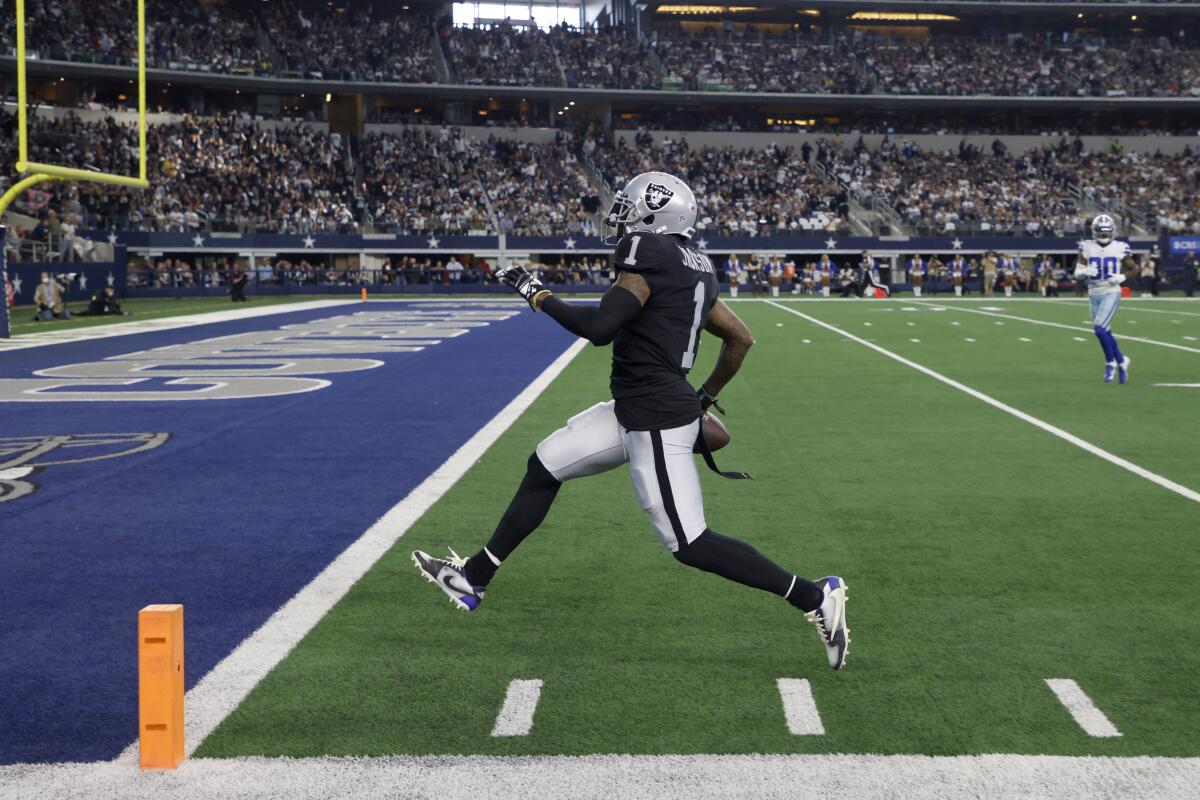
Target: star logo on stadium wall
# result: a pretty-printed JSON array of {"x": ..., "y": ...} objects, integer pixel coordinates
[
  {"x": 830, "y": 243},
  {"x": 433, "y": 242},
  {"x": 82, "y": 282},
  {"x": 197, "y": 241},
  {"x": 111, "y": 279},
  {"x": 309, "y": 242},
  {"x": 16, "y": 282},
  {"x": 112, "y": 237},
  {"x": 957, "y": 243},
  {"x": 570, "y": 243},
  {"x": 702, "y": 244}
]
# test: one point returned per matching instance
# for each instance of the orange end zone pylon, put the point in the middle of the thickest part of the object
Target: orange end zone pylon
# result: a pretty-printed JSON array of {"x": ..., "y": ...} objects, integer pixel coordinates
[
  {"x": 160, "y": 686},
  {"x": 364, "y": 292}
]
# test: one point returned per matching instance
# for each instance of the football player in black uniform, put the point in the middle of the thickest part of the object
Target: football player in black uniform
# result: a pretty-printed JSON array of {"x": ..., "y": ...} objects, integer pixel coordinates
[{"x": 664, "y": 295}]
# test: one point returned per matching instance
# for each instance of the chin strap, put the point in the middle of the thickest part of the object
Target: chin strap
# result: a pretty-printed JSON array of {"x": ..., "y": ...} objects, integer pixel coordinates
[{"x": 712, "y": 463}]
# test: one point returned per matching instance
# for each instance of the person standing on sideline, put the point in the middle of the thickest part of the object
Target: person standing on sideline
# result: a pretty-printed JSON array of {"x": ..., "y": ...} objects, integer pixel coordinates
[
  {"x": 1009, "y": 265},
  {"x": 826, "y": 269},
  {"x": 1044, "y": 269},
  {"x": 916, "y": 271},
  {"x": 958, "y": 273},
  {"x": 1190, "y": 267},
  {"x": 989, "y": 272},
  {"x": 733, "y": 273}
]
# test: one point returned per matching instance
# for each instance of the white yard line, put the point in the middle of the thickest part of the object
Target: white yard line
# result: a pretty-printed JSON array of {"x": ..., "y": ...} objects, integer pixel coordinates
[
  {"x": 1122, "y": 337},
  {"x": 516, "y": 715},
  {"x": 25, "y": 341},
  {"x": 1127, "y": 306},
  {"x": 221, "y": 691},
  {"x": 1082, "y": 709},
  {"x": 799, "y": 708},
  {"x": 621, "y": 777},
  {"x": 1141, "y": 472}
]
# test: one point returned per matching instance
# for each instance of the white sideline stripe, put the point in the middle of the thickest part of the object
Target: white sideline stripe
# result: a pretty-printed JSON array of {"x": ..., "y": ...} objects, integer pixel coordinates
[
  {"x": 1082, "y": 444},
  {"x": 1124, "y": 337},
  {"x": 224, "y": 688},
  {"x": 1127, "y": 303},
  {"x": 799, "y": 709},
  {"x": 1082, "y": 709},
  {"x": 1131, "y": 307},
  {"x": 24, "y": 341},
  {"x": 516, "y": 715},
  {"x": 609, "y": 777}
]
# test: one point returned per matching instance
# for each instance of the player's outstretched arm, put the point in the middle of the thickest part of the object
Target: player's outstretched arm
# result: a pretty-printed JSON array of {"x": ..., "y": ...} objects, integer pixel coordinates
[
  {"x": 736, "y": 341},
  {"x": 599, "y": 325}
]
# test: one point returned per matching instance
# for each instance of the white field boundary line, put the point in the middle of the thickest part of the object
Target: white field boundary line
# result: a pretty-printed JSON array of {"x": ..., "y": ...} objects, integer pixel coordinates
[
  {"x": 1123, "y": 337},
  {"x": 616, "y": 777},
  {"x": 1127, "y": 303},
  {"x": 24, "y": 341},
  {"x": 516, "y": 714},
  {"x": 1141, "y": 472},
  {"x": 224, "y": 688},
  {"x": 799, "y": 708},
  {"x": 1082, "y": 709}
]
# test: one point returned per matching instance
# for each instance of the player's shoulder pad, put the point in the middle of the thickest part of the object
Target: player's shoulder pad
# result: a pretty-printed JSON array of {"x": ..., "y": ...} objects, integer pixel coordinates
[{"x": 639, "y": 252}]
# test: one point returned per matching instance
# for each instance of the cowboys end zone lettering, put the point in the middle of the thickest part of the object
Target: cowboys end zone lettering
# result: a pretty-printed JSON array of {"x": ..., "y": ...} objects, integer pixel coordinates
[{"x": 266, "y": 363}]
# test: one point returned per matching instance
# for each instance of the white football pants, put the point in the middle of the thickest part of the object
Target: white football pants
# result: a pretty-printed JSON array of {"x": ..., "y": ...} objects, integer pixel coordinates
[{"x": 661, "y": 465}]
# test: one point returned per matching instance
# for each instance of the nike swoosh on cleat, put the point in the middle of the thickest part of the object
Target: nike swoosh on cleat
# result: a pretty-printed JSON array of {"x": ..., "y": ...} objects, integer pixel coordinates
[{"x": 447, "y": 581}]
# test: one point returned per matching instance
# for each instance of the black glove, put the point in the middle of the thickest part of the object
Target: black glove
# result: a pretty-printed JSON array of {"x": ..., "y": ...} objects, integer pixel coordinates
[
  {"x": 522, "y": 280},
  {"x": 707, "y": 400}
]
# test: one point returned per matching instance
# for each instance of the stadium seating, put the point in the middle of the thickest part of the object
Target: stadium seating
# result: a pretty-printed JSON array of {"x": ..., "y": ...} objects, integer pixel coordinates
[{"x": 359, "y": 43}]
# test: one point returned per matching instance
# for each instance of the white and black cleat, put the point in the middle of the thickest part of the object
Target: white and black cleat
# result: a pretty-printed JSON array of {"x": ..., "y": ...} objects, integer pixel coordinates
[
  {"x": 448, "y": 575},
  {"x": 830, "y": 619}
]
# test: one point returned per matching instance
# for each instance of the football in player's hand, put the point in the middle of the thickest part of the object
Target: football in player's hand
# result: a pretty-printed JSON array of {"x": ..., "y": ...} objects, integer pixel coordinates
[{"x": 714, "y": 432}]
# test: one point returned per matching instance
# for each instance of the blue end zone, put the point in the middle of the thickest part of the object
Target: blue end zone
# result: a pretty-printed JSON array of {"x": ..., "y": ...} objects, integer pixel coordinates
[{"x": 245, "y": 503}]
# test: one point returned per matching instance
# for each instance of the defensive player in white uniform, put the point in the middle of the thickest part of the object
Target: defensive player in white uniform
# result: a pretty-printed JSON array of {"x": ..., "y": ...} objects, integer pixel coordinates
[
  {"x": 664, "y": 296},
  {"x": 1102, "y": 261}
]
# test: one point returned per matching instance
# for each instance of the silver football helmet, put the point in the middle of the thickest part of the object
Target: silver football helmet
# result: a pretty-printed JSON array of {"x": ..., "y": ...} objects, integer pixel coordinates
[
  {"x": 1103, "y": 228},
  {"x": 654, "y": 202}
]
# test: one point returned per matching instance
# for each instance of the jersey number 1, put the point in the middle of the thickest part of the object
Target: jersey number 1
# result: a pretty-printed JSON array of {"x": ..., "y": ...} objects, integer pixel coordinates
[{"x": 689, "y": 355}]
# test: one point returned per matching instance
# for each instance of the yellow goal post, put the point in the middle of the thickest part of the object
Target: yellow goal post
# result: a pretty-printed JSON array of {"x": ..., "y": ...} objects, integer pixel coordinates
[{"x": 35, "y": 172}]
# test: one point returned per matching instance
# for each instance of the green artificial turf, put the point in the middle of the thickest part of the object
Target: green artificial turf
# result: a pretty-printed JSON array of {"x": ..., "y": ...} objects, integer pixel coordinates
[{"x": 983, "y": 555}]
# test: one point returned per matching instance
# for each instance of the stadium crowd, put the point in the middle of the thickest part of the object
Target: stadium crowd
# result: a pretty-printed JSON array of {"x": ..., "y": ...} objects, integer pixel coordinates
[
  {"x": 179, "y": 34},
  {"x": 231, "y": 173},
  {"x": 745, "y": 192},
  {"x": 356, "y": 43},
  {"x": 220, "y": 172},
  {"x": 385, "y": 43}
]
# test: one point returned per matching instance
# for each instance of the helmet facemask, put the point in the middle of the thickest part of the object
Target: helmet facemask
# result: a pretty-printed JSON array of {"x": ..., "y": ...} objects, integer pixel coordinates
[{"x": 619, "y": 215}]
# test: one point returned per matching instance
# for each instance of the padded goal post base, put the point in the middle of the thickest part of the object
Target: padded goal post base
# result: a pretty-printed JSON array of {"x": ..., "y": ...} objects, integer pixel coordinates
[{"x": 5, "y": 331}]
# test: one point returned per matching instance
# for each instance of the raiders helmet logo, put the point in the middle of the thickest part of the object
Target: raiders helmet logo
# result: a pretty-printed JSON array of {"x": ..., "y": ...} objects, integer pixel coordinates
[{"x": 657, "y": 196}]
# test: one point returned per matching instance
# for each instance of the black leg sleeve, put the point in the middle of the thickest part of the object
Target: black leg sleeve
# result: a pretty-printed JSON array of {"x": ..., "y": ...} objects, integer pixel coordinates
[
  {"x": 525, "y": 513},
  {"x": 740, "y": 562}
]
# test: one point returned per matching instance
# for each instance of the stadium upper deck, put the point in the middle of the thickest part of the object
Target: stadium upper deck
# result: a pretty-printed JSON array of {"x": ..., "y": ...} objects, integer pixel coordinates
[{"x": 777, "y": 49}]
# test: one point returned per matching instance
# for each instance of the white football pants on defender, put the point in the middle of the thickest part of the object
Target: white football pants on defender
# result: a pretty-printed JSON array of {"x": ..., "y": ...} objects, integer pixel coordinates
[{"x": 661, "y": 464}]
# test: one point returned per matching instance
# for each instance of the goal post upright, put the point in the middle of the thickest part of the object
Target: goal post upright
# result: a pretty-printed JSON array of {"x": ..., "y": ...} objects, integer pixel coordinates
[
  {"x": 33, "y": 173},
  {"x": 30, "y": 168}
]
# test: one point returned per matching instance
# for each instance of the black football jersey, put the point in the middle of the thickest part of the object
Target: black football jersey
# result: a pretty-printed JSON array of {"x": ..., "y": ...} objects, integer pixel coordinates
[{"x": 653, "y": 353}]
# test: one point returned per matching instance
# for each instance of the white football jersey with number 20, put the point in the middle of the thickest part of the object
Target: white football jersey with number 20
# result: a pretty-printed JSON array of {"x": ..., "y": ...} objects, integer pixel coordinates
[{"x": 1107, "y": 258}]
